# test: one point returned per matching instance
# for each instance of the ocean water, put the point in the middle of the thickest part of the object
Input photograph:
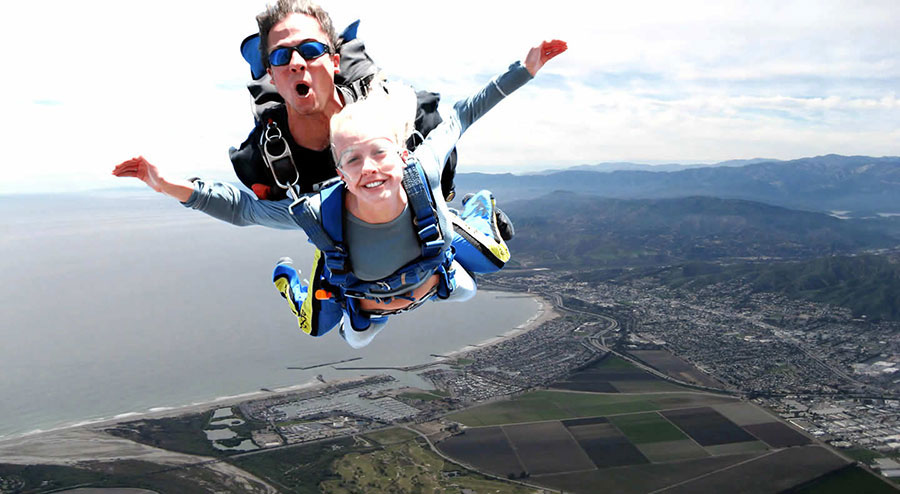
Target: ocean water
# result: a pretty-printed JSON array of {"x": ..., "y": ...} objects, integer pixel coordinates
[{"x": 122, "y": 302}]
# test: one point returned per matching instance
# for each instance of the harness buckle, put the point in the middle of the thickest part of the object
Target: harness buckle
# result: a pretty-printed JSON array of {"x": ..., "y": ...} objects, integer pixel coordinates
[
  {"x": 335, "y": 265},
  {"x": 429, "y": 232},
  {"x": 275, "y": 150},
  {"x": 297, "y": 200},
  {"x": 432, "y": 248}
]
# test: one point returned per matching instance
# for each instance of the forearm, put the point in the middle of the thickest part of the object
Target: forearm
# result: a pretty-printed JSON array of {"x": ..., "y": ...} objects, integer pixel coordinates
[
  {"x": 475, "y": 106},
  {"x": 179, "y": 189},
  {"x": 442, "y": 139},
  {"x": 228, "y": 203}
]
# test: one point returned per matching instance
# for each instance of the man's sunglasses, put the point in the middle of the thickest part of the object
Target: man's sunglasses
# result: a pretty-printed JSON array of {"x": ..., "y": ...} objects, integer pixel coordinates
[{"x": 309, "y": 50}]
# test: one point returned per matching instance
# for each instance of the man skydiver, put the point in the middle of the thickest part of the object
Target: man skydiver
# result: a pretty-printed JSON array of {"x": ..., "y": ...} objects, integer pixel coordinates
[
  {"x": 419, "y": 255},
  {"x": 303, "y": 57},
  {"x": 305, "y": 80}
]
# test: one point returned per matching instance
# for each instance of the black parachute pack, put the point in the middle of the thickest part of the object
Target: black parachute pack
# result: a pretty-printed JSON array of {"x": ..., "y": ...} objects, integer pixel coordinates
[{"x": 284, "y": 168}]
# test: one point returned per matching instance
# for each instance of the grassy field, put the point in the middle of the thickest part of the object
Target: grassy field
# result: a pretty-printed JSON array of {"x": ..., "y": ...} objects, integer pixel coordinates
[
  {"x": 735, "y": 448},
  {"x": 672, "y": 451},
  {"x": 391, "y": 436},
  {"x": 552, "y": 405},
  {"x": 298, "y": 470},
  {"x": 613, "y": 362},
  {"x": 647, "y": 428},
  {"x": 400, "y": 463},
  {"x": 129, "y": 473},
  {"x": 849, "y": 479},
  {"x": 183, "y": 434},
  {"x": 407, "y": 468},
  {"x": 866, "y": 456},
  {"x": 429, "y": 396},
  {"x": 743, "y": 413},
  {"x": 28, "y": 478},
  {"x": 654, "y": 386}
]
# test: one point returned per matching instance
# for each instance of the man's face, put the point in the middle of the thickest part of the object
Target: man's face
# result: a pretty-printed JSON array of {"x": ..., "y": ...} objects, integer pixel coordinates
[
  {"x": 371, "y": 167},
  {"x": 306, "y": 85}
]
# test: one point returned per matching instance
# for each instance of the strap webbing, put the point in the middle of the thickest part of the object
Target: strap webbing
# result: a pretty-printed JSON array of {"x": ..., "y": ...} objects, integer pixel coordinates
[
  {"x": 311, "y": 224},
  {"x": 420, "y": 200}
]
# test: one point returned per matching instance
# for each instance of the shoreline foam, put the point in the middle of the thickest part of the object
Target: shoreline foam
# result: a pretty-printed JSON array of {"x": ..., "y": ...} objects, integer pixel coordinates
[
  {"x": 165, "y": 411},
  {"x": 544, "y": 313}
]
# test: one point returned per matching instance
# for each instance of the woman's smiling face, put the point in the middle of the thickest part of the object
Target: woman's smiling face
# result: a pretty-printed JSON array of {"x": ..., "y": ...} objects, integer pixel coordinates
[{"x": 371, "y": 167}]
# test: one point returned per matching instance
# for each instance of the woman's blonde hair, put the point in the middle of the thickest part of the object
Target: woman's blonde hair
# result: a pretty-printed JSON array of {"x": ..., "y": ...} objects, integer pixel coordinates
[{"x": 389, "y": 109}]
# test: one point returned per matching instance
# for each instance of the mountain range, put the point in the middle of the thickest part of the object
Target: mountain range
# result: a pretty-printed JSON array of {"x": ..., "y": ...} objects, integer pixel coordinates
[
  {"x": 856, "y": 185},
  {"x": 569, "y": 229}
]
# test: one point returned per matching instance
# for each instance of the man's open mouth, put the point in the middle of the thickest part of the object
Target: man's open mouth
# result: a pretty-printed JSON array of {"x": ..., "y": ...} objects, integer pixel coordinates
[{"x": 302, "y": 89}]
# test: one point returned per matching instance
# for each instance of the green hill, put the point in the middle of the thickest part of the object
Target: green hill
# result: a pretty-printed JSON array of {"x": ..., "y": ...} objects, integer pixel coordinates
[
  {"x": 868, "y": 284},
  {"x": 571, "y": 230}
]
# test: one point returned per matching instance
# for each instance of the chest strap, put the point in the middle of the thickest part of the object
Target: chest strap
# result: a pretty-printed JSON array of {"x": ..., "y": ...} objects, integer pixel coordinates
[{"x": 324, "y": 225}]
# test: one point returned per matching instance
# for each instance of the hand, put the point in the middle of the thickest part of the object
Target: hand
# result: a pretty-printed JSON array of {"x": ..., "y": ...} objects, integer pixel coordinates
[
  {"x": 539, "y": 55},
  {"x": 141, "y": 169}
]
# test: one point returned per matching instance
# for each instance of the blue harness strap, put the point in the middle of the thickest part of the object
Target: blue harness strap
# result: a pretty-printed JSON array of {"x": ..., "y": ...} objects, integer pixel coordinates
[
  {"x": 312, "y": 225},
  {"x": 420, "y": 200},
  {"x": 331, "y": 209},
  {"x": 326, "y": 231}
]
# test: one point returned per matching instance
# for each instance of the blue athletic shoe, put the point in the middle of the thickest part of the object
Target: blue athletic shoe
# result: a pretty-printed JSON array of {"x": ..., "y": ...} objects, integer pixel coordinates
[
  {"x": 501, "y": 226},
  {"x": 287, "y": 281}
]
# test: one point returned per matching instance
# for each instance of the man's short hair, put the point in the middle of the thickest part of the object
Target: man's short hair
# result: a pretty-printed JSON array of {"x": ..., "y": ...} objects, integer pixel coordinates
[{"x": 283, "y": 8}]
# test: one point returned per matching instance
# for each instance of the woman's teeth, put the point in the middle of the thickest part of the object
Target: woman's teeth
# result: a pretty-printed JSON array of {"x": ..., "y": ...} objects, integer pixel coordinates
[{"x": 373, "y": 184}]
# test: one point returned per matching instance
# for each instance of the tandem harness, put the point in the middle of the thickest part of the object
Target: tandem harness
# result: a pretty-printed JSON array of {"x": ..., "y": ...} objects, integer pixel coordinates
[
  {"x": 325, "y": 229},
  {"x": 277, "y": 155}
]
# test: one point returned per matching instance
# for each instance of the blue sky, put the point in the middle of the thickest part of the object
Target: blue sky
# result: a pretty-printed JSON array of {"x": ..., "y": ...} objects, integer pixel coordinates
[{"x": 91, "y": 83}]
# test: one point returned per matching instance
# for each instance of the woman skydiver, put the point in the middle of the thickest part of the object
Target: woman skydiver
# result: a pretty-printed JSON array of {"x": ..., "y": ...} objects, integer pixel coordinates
[{"x": 384, "y": 235}]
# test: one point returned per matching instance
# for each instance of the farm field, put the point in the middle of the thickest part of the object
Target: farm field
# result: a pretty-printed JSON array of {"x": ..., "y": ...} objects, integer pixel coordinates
[
  {"x": 638, "y": 479},
  {"x": 743, "y": 413},
  {"x": 848, "y": 479},
  {"x": 485, "y": 447},
  {"x": 614, "y": 375},
  {"x": 647, "y": 428},
  {"x": 707, "y": 426},
  {"x": 778, "y": 435},
  {"x": 670, "y": 364},
  {"x": 547, "y": 447},
  {"x": 556, "y": 405},
  {"x": 683, "y": 441},
  {"x": 604, "y": 444},
  {"x": 664, "y": 451},
  {"x": 771, "y": 472}
]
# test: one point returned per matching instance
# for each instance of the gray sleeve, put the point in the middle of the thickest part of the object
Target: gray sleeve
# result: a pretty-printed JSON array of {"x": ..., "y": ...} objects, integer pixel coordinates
[
  {"x": 472, "y": 108},
  {"x": 443, "y": 138},
  {"x": 228, "y": 203}
]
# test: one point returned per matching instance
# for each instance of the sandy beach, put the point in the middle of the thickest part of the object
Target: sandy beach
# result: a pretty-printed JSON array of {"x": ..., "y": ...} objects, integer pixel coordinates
[
  {"x": 544, "y": 313},
  {"x": 88, "y": 442}
]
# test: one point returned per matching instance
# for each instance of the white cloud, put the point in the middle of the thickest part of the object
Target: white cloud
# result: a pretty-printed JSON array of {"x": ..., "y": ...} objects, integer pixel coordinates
[{"x": 91, "y": 83}]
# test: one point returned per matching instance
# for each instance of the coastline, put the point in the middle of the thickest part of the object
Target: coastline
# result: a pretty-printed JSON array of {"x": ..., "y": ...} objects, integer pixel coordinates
[
  {"x": 84, "y": 440},
  {"x": 544, "y": 313}
]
